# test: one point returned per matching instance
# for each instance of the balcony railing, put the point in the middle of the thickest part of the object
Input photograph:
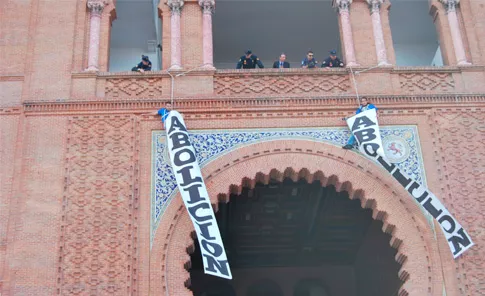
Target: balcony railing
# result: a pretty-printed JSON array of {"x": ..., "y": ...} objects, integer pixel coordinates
[
  {"x": 284, "y": 83},
  {"x": 278, "y": 82}
]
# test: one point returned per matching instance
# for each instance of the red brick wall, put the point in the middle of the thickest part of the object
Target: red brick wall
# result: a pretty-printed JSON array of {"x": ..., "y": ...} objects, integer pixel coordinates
[
  {"x": 474, "y": 11},
  {"x": 16, "y": 20},
  {"x": 418, "y": 248},
  {"x": 458, "y": 136},
  {"x": 50, "y": 73},
  {"x": 41, "y": 250},
  {"x": 8, "y": 138},
  {"x": 191, "y": 30},
  {"x": 360, "y": 19},
  {"x": 35, "y": 207}
]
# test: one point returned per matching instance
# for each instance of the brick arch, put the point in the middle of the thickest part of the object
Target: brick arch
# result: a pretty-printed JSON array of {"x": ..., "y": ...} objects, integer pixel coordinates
[{"x": 346, "y": 170}]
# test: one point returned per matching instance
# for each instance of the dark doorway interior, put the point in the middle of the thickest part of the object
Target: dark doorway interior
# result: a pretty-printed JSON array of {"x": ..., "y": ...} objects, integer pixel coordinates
[{"x": 294, "y": 238}]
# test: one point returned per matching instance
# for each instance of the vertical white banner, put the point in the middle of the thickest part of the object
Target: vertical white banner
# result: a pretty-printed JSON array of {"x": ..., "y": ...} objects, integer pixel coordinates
[
  {"x": 195, "y": 196},
  {"x": 365, "y": 128}
]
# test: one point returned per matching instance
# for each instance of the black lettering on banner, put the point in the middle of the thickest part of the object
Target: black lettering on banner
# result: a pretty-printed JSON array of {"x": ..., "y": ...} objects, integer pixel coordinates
[
  {"x": 365, "y": 135},
  {"x": 176, "y": 124},
  {"x": 187, "y": 177},
  {"x": 373, "y": 146},
  {"x": 366, "y": 131},
  {"x": 204, "y": 230},
  {"x": 458, "y": 241},
  {"x": 401, "y": 178},
  {"x": 179, "y": 140},
  {"x": 212, "y": 248},
  {"x": 212, "y": 264},
  {"x": 195, "y": 197},
  {"x": 179, "y": 162},
  {"x": 193, "y": 212},
  {"x": 412, "y": 190},
  {"x": 194, "y": 194},
  {"x": 431, "y": 208},
  {"x": 450, "y": 221},
  {"x": 388, "y": 166},
  {"x": 364, "y": 121}
]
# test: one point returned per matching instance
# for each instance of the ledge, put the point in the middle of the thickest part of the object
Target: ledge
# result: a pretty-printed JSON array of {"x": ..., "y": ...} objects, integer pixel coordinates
[
  {"x": 12, "y": 77},
  {"x": 268, "y": 82},
  {"x": 267, "y": 71},
  {"x": 155, "y": 74},
  {"x": 447, "y": 69},
  {"x": 289, "y": 71},
  {"x": 231, "y": 105},
  {"x": 10, "y": 110},
  {"x": 84, "y": 74}
]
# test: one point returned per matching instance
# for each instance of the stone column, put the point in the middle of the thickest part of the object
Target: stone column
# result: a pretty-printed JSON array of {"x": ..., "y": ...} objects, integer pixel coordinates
[
  {"x": 175, "y": 39},
  {"x": 375, "y": 7},
  {"x": 207, "y": 10},
  {"x": 343, "y": 9},
  {"x": 96, "y": 9},
  {"x": 455, "y": 31}
]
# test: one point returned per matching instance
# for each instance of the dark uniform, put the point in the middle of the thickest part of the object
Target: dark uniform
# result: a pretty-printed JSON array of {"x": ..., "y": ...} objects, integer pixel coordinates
[
  {"x": 147, "y": 67},
  {"x": 249, "y": 63},
  {"x": 312, "y": 63},
  {"x": 329, "y": 63}
]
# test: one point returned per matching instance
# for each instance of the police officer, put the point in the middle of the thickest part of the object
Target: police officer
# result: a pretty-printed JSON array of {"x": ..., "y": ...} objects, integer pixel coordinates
[
  {"x": 144, "y": 65},
  {"x": 309, "y": 62},
  {"x": 249, "y": 61},
  {"x": 332, "y": 61}
]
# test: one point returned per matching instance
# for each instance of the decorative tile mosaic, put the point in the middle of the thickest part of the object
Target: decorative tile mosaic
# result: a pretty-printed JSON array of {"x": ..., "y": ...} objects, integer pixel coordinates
[{"x": 401, "y": 144}]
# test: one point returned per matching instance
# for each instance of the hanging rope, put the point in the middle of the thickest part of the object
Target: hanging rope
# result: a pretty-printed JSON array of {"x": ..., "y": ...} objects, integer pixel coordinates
[{"x": 355, "y": 82}]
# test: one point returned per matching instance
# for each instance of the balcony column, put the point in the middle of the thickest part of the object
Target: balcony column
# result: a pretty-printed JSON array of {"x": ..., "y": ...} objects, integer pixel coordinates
[
  {"x": 455, "y": 31},
  {"x": 343, "y": 9},
  {"x": 208, "y": 7},
  {"x": 175, "y": 39},
  {"x": 96, "y": 9},
  {"x": 375, "y": 8}
]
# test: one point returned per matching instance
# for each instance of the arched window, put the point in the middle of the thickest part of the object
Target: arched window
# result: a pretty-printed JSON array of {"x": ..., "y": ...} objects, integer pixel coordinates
[
  {"x": 270, "y": 28},
  {"x": 310, "y": 287},
  {"x": 414, "y": 34},
  {"x": 135, "y": 32}
]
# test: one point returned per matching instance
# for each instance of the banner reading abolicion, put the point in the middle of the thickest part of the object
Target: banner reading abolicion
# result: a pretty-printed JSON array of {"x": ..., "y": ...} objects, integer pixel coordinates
[
  {"x": 365, "y": 128},
  {"x": 195, "y": 196}
]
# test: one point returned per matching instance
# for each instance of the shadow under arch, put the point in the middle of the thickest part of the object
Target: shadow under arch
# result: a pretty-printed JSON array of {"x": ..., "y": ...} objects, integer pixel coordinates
[
  {"x": 348, "y": 171},
  {"x": 303, "y": 287}
]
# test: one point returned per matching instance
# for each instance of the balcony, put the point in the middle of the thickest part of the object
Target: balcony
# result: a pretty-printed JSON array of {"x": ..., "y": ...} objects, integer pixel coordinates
[{"x": 265, "y": 83}]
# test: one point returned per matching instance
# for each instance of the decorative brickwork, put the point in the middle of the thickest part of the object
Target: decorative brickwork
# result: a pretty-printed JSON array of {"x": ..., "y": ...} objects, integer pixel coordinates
[
  {"x": 134, "y": 87},
  {"x": 98, "y": 243},
  {"x": 460, "y": 137},
  {"x": 228, "y": 140},
  {"x": 345, "y": 170},
  {"x": 418, "y": 82},
  {"x": 314, "y": 105},
  {"x": 281, "y": 84},
  {"x": 71, "y": 220}
]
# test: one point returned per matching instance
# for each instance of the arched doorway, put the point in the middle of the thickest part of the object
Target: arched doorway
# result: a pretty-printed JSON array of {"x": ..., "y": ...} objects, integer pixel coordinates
[
  {"x": 411, "y": 234},
  {"x": 278, "y": 234}
]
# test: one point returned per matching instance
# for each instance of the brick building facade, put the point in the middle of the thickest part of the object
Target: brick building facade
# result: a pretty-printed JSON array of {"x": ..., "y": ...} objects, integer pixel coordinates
[{"x": 79, "y": 214}]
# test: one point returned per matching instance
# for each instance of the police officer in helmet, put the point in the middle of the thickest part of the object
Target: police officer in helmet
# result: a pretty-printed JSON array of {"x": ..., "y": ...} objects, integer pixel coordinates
[
  {"x": 144, "y": 65},
  {"x": 249, "y": 61},
  {"x": 332, "y": 61}
]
